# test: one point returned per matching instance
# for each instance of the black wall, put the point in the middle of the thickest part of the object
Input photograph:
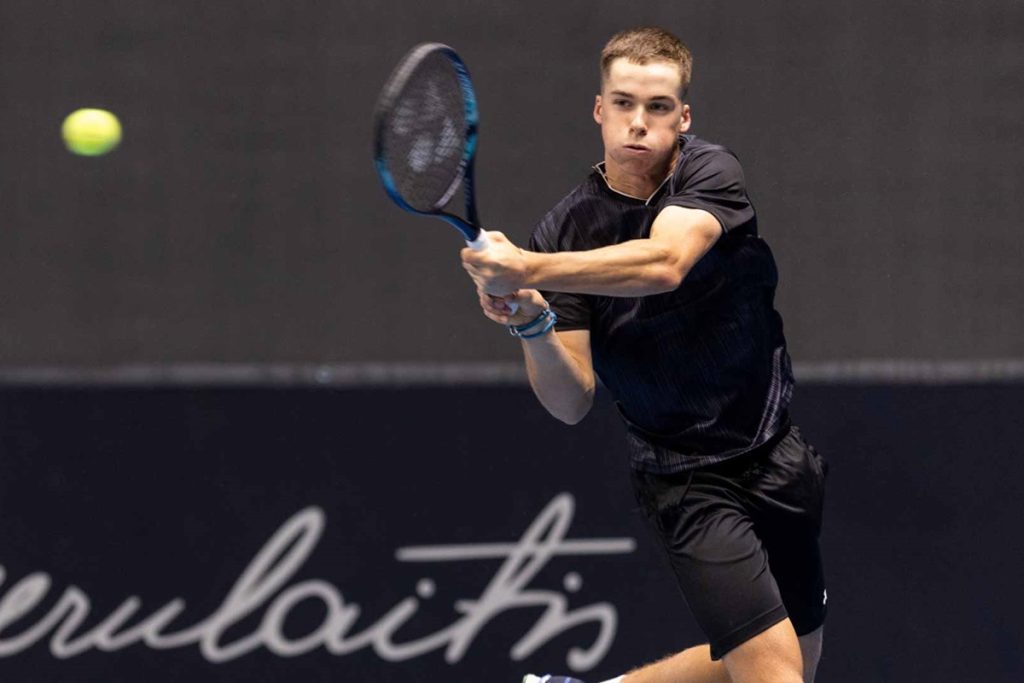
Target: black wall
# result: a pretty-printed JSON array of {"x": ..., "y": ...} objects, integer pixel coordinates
[
  {"x": 171, "y": 493},
  {"x": 241, "y": 220}
]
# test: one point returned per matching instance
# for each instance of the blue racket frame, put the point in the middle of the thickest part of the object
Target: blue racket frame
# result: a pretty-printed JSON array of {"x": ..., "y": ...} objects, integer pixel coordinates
[{"x": 470, "y": 227}]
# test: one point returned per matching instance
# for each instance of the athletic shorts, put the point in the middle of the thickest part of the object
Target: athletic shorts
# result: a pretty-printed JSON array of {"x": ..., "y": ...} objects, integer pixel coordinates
[{"x": 742, "y": 539}]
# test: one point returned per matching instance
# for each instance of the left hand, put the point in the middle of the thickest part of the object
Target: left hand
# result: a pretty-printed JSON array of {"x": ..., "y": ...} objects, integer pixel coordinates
[
  {"x": 499, "y": 269},
  {"x": 529, "y": 304}
]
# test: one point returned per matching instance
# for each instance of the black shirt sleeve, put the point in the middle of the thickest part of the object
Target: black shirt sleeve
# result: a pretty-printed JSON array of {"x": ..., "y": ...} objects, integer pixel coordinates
[
  {"x": 713, "y": 181},
  {"x": 573, "y": 310}
]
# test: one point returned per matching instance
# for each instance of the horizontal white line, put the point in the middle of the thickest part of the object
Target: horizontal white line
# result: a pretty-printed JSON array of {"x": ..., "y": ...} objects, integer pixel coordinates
[
  {"x": 273, "y": 374},
  {"x": 485, "y": 551},
  {"x": 501, "y": 373},
  {"x": 897, "y": 371}
]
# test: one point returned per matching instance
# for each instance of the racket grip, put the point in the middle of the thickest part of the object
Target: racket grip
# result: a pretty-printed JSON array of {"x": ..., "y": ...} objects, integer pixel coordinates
[{"x": 479, "y": 244}]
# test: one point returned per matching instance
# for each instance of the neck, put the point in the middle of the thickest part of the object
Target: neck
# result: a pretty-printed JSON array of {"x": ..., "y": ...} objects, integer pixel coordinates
[{"x": 640, "y": 185}]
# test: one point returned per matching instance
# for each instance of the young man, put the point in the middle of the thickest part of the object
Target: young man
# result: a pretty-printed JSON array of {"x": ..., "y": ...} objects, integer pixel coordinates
[{"x": 654, "y": 277}]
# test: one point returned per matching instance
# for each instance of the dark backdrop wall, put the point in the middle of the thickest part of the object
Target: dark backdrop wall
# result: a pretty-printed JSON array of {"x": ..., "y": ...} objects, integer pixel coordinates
[
  {"x": 241, "y": 219},
  {"x": 170, "y": 494}
]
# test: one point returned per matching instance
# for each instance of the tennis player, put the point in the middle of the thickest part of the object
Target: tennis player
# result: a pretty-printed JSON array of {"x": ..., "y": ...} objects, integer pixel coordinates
[{"x": 651, "y": 273}]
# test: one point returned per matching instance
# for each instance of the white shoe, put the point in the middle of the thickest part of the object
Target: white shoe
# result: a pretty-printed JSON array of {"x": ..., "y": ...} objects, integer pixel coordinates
[{"x": 530, "y": 678}]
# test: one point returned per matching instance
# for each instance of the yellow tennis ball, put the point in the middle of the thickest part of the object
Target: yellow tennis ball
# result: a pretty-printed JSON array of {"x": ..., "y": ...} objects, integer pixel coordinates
[{"x": 91, "y": 132}]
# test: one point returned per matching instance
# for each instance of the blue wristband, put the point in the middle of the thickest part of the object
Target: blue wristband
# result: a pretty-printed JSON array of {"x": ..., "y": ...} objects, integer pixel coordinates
[
  {"x": 552, "y": 319},
  {"x": 517, "y": 330}
]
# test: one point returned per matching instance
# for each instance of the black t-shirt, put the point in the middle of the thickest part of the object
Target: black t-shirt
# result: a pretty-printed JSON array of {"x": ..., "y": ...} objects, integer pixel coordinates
[{"x": 699, "y": 374}]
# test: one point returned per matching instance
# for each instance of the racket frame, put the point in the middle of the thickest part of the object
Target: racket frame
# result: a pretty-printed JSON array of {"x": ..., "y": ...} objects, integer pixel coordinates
[{"x": 470, "y": 226}]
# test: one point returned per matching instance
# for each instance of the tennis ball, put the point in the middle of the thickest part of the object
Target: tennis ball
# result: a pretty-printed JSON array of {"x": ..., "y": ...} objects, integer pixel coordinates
[{"x": 91, "y": 132}]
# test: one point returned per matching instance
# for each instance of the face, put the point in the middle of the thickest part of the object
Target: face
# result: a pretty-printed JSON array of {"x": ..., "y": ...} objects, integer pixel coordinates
[{"x": 641, "y": 116}]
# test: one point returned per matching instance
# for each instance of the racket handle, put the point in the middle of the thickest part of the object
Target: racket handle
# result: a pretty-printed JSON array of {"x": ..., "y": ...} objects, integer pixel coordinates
[{"x": 479, "y": 244}]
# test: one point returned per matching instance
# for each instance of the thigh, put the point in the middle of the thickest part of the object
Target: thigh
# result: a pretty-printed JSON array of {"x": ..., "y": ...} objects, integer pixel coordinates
[{"x": 773, "y": 655}]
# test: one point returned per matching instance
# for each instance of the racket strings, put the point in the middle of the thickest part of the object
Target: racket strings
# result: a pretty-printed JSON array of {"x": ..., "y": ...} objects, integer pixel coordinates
[{"x": 424, "y": 135}]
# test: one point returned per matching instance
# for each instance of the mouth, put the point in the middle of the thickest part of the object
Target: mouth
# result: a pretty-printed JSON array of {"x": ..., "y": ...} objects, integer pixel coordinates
[{"x": 637, "y": 148}]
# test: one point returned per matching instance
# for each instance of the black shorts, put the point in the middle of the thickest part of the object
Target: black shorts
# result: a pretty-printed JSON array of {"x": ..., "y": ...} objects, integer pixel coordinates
[{"x": 742, "y": 538}]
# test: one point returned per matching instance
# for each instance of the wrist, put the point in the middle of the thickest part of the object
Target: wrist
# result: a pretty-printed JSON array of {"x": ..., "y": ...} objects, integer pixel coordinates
[
  {"x": 532, "y": 323},
  {"x": 531, "y": 267},
  {"x": 529, "y": 307},
  {"x": 538, "y": 327}
]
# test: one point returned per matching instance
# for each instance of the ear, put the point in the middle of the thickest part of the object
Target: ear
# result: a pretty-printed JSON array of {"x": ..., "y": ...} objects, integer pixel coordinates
[
  {"x": 597, "y": 109},
  {"x": 685, "y": 120}
]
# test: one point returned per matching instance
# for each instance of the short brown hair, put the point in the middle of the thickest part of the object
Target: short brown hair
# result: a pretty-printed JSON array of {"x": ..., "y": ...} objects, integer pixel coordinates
[{"x": 648, "y": 44}]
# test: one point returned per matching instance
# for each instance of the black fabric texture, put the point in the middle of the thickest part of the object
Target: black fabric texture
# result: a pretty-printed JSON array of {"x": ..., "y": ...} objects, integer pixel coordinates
[{"x": 700, "y": 374}]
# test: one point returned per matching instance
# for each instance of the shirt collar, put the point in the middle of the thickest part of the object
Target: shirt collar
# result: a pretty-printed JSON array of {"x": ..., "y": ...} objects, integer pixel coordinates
[{"x": 599, "y": 167}]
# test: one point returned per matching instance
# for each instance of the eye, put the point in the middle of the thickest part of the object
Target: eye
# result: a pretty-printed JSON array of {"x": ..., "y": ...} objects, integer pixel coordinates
[
  {"x": 622, "y": 103},
  {"x": 660, "y": 107}
]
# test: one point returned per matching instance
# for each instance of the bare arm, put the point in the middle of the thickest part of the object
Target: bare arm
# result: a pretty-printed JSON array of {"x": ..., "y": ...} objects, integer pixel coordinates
[
  {"x": 561, "y": 374},
  {"x": 558, "y": 364},
  {"x": 679, "y": 238}
]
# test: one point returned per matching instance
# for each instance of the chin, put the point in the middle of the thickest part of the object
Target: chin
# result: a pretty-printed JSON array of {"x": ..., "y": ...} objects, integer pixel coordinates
[{"x": 651, "y": 160}]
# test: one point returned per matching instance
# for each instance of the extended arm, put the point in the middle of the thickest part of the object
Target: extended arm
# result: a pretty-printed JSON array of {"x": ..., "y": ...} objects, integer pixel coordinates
[
  {"x": 679, "y": 238},
  {"x": 559, "y": 364}
]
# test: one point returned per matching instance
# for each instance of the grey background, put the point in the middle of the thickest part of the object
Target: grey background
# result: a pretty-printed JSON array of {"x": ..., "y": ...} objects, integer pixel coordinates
[{"x": 241, "y": 220}]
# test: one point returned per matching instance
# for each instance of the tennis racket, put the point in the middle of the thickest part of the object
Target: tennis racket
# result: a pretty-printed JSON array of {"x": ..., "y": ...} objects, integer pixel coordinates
[{"x": 425, "y": 137}]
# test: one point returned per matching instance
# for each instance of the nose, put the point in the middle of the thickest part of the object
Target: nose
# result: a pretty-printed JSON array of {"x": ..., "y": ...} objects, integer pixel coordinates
[{"x": 638, "y": 124}]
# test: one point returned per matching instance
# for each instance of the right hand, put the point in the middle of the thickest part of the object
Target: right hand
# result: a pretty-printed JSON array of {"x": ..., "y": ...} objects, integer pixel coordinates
[{"x": 530, "y": 301}]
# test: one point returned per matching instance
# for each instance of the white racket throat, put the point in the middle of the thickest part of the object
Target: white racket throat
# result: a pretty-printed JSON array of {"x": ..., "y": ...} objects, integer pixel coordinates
[{"x": 480, "y": 243}]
